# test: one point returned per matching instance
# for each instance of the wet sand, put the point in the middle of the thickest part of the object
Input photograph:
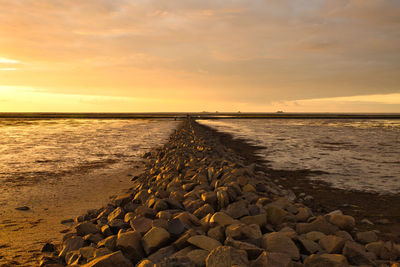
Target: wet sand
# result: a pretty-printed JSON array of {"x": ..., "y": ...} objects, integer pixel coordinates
[
  {"x": 361, "y": 205},
  {"x": 23, "y": 233}
]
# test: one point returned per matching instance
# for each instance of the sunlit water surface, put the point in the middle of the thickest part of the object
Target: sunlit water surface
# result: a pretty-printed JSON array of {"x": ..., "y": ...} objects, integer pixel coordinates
[
  {"x": 354, "y": 154},
  {"x": 34, "y": 150}
]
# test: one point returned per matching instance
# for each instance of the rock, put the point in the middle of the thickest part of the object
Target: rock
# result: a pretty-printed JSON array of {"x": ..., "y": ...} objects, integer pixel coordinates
[
  {"x": 146, "y": 263},
  {"x": 345, "y": 235},
  {"x": 252, "y": 251},
  {"x": 129, "y": 244},
  {"x": 278, "y": 242},
  {"x": 86, "y": 228},
  {"x": 141, "y": 224},
  {"x": 48, "y": 247},
  {"x": 70, "y": 244},
  {"x": 87, "y": 252},
  {"x": 220, "y": 218},
  {"x": 110, "y": 242},
  {"x": 332, "y": 244},
  {"x": 375, "y": 247},
  {"x": 272, "y": 259},
  {"x": 237, "y": 209},
  {"x": 356, "y": 254},
  {"x": 129, "y": 216},
  {"x": 210, "y": 198},
  {"x": 122, "y": 199},
  {"x": 303, "y": 214},
  {"x": 160, "y": 223},
  {"x": 275, "y": 215},
  {"x": 105, "y": 230},
  {"x": 367, "y": 237},
  {"x": 23, "y": 208},
  {"x": 248, "y": 188},
  {"x": 314, "y": 235},
  {"x": 198, "y": 257},
  {"x": 390, "y": 251},
  {"x": 217, "y": 233},
  {"x": 175, "y": 227},
  {"x": 260, "y": 219},
  {"x": 366, "y": 221},
  {"x": 203, "y": 211},
  {"x": 225, "y": 256},
  {"x": 113, "y": 259},
  {"x": 93, "y": 238},
  {"x": 204, "y": 242},
  {"x": 100, "y": 252},
  {"x": 344, "y": 222},
  {"x": 309, "y": 246},
  {"x": 319, "y": 225},
  {"x": 222, "y": 199},
  {"x": 188, "y": 219},
  {"x": 165, "y": 252},
  {"x": 242, "y": 231},
  {"x": 73, "y": 257},
  {"x": 334, "y": 260},
  {"x": 166, "y": 215},
  {"x": 118, "y": 213},
  {"x": 154, "y": 239},
  {"x": 160, "y": 205}
]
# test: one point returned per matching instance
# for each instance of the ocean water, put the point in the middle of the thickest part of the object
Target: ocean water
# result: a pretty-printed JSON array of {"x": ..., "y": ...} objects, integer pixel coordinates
[
  {"x": 35, "y": 150},
  {"x": 352, "y": 154}
]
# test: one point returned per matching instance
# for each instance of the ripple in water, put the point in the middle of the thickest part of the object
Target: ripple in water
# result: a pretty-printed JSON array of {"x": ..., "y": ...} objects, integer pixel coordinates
[
  {"x": 33, "y": 150},
  {"x": 355, "y": 154}
]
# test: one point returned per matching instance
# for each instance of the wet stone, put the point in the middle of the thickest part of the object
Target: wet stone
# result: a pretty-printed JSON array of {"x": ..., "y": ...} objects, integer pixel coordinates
[
  {"x": 175, "y": 227},
  {"x": 226, "y": 256},
  {"x": 141, "y": 224},
  {"x": 204, "y": 242}
]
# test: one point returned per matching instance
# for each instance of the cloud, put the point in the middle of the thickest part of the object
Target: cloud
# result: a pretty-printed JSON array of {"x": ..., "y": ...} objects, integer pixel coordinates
[{"x": 253, "y": 52}]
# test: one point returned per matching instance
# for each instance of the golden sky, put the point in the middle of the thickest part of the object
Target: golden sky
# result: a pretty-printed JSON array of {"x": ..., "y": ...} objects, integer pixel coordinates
[{"x": 153, "y": 55}]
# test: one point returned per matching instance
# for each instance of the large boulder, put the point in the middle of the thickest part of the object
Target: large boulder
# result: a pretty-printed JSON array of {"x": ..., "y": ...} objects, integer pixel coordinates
[
  {"x": 318, "y": 225},
  {"x": 198, "y": 257},
  {"x": 332, "y": 244},
  {"x": 356, "y": 254},
  {"x": 226, "y": 256},
  {"x": 129, "y": 244},
  {"x": 334, "y": 260},
  {"x": 154, "y": 239},
  {"x": 272, "y": 259},
  {"x": 70, "y": 244},
  {"x": 237, "y": 209},
  {"x": 113, "y": 259},
  {"x": 86, "y": 228},
  {"x": 344, "y": 222},
  {"x": 204, "y": 242},
  {"x": 221, "y": 218},
  {"x": 279, "y": 242}
]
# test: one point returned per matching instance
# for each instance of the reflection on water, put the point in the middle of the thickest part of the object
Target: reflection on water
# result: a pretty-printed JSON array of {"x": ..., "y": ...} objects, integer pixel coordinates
[
  {"x": 355, "y": 154},
  {"x": 32, "y": 150}
]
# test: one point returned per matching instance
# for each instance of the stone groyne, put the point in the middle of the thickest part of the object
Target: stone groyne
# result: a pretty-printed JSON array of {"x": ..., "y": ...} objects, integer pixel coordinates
[{"x": 199, "y": 204}]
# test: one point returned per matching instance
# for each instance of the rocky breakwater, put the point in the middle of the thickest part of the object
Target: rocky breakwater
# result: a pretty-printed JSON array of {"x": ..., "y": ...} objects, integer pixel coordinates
[{"x": 199, "y": 204}]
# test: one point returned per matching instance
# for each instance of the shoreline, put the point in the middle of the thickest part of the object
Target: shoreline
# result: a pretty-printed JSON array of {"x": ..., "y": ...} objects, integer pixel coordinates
[
  {"x": 199, "y": 203},
  {"x": 359, "y": 204}
]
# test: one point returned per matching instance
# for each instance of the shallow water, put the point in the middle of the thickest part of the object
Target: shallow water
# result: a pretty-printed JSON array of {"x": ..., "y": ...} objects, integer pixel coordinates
[
  {"x": 354, "y": 154},
  {"x": 32, "y": 150}
]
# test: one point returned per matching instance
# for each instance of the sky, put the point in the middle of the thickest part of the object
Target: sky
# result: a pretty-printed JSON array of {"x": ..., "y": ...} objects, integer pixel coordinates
[{"x": 209, "y": 55}]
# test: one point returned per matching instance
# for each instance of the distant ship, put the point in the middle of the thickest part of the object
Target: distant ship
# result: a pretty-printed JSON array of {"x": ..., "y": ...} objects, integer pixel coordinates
[{"x": 279, "y": 111}]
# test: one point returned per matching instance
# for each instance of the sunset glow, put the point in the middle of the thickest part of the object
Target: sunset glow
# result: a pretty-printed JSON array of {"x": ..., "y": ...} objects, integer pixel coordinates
[{"x": 152, "y": 56}]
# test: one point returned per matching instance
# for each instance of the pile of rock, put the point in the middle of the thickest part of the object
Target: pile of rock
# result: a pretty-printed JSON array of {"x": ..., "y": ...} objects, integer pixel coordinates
[{"x": 198, "y": 204}]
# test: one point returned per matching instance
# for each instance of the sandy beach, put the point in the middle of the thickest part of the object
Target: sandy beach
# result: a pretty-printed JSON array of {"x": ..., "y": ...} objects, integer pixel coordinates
[{"x": 23, "y": 233}]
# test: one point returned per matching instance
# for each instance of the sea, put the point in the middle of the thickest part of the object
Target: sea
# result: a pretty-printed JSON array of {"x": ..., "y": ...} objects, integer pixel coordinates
[{"x": 349, "y": 154}]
